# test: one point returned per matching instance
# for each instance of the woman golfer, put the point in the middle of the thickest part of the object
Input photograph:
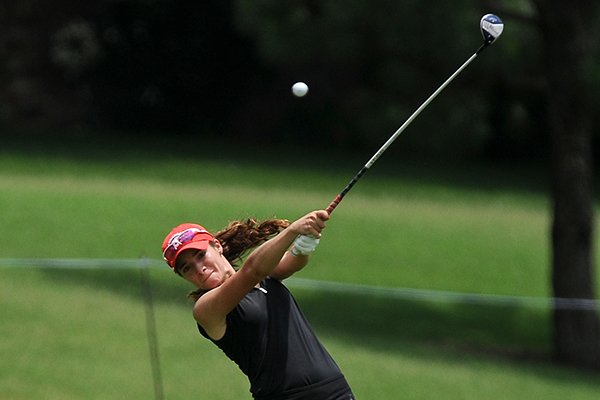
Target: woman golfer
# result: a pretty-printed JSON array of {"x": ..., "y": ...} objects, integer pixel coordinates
[{"x": 248, "y": 313}]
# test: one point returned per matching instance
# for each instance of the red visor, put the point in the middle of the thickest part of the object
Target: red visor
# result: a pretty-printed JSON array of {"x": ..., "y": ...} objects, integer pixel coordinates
[{"x": 183, "y": 237}]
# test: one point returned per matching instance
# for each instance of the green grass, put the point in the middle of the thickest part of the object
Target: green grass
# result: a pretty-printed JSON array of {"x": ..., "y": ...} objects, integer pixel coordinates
[{"x": 71, "y": 334}]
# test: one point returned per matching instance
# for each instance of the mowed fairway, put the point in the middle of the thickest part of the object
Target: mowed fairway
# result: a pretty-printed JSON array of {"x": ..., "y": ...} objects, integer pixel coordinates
[{"x": 73, "y": 334}]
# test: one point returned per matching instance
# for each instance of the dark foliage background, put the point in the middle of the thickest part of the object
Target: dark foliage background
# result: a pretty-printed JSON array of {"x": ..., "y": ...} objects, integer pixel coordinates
[{"x": 225, "y": 67}]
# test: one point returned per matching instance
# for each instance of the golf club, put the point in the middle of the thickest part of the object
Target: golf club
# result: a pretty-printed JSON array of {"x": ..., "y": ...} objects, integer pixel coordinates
[{"x": 491, "y": 27}]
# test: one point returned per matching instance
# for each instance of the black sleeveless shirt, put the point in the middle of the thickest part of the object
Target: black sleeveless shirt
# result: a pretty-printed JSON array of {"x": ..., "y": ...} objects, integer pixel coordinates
[{"x": 273, "y": 344}]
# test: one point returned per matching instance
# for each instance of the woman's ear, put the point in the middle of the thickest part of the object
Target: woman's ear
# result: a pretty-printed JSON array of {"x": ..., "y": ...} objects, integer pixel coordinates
[{"x": 218, "y": 246}]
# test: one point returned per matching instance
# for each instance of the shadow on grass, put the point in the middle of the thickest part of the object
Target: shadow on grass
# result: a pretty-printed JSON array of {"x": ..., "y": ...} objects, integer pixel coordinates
[
  {"x": 128, "y": 282},
  {"x": 380, "y": 322},
  {"x": 365, "y": 320}
]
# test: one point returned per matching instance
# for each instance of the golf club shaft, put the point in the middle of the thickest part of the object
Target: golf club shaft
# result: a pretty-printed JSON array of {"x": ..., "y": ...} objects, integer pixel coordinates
[{"x": 336, "y": 201}]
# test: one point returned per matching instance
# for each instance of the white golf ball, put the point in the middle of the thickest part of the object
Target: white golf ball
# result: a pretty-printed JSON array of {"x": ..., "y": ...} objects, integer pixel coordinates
[{"x": 299, "y": 89}]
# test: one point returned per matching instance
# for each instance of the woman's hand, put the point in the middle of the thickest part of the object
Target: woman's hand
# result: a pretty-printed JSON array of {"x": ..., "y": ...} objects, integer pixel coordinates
[
  {"x": 305, "y": 232},
  {"x": 311, "y": 224}
]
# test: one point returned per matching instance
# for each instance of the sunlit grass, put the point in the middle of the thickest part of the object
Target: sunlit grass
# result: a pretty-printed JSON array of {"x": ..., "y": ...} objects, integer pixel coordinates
[{"x": 490, "y": 246}]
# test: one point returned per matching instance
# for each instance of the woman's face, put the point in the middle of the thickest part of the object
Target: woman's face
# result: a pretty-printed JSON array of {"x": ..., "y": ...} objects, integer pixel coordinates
[{"x": 205, "y": 269}]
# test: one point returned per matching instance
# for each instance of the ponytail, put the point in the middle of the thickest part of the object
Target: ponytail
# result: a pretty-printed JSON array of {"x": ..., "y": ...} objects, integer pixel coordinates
[{"x": 240, "y": 236}]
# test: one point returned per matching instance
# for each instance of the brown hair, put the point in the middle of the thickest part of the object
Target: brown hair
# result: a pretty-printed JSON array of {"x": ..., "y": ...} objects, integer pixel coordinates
[{"x": 241, "y": 236}]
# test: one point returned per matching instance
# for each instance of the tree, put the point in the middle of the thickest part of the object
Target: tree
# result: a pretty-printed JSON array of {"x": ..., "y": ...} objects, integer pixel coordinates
[
  {"x": 46, "y": 47},
  {"x": 567, "y": 33}
]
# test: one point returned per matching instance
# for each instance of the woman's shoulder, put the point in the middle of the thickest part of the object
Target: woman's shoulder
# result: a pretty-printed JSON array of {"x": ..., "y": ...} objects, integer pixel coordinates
[
  {"x": 274, "y": 285},
  {"x": 268, "y": 281}
]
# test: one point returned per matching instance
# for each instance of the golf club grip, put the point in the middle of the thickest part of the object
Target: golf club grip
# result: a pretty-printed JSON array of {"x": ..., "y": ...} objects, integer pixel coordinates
[{"x": 334, "y": 204}]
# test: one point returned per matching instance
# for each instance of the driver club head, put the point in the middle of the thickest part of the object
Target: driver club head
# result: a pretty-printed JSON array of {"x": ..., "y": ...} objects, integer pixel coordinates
[{"x": 491, "y": 27}]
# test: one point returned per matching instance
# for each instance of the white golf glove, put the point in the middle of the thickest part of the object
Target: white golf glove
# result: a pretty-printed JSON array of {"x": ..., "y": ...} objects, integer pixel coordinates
[{"x": 304, "y": 245}]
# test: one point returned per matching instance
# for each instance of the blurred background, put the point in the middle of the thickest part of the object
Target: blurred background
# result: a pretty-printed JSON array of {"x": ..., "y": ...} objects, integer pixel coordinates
[
  {"x": 188, "y": 69},
  {"x": 109, "y": 108}
]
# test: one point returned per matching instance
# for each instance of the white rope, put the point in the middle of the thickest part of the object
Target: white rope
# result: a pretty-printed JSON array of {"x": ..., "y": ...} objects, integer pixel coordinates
[
  {"x": 447, "y": 297},
  {"x": 80, "y": 263},
  {"x": 329, "y": 286}
]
